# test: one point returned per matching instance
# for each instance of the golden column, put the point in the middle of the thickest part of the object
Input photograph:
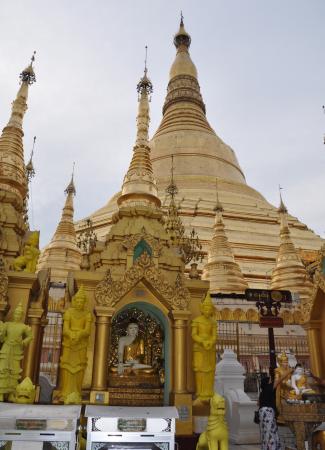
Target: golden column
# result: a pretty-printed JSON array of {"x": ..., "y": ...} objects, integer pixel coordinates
[
  {"x": 313, "y": 329},
  {"x": 99, "y": 392},
  {"x": 180, "y": 325},
  {"x": 31, "y": 359},
  {"x": 180, "y": 396}
]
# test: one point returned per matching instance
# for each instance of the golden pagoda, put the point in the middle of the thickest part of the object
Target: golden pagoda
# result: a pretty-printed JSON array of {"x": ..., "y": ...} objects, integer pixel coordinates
[
  {"x": 201, "y": 157},
  {"x": 13, "y": 180},
  {"x": 289, "y": 272},
  {"x": 62, "y": 254},
  {"x": 122, "y": 320},
  {"x": 221, "y": 269}
]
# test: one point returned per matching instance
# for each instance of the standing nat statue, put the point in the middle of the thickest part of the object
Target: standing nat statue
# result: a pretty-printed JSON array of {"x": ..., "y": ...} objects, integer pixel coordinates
[
  {"x": 204, "y": 335},
  {"x": 14, "y": 336},
  {"x": 73, "y": 362}
]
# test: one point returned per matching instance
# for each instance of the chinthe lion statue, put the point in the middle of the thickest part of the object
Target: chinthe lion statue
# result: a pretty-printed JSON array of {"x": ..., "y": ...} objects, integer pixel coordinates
[{"x": 215, "y": 437}]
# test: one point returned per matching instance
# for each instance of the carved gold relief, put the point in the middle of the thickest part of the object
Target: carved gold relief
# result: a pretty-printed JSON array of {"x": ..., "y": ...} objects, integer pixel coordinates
[
  {"x": 108, "y": 292},
  {"x": 307, "y": 304},
  {"x": 131, "y": 241}
]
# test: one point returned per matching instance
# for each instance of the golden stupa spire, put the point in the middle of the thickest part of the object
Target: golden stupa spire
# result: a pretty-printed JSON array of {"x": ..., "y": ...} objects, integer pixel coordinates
[
  {"x": 62, "y": 254},
  {"x": 183, "y": 65},
  {"x": 183, "y": 98},
  {"x": 13, "y": 175},
  {"x": 139, "y": 184},
  {"x": 289, "y": 272},
  {"x": 19, "y": 105},
  {"x": 11, "y": 143},
  {"x": 221, "y": 269}
]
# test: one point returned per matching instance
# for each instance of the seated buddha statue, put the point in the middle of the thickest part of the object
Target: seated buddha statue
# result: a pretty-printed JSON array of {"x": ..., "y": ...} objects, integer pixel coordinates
[
  {"x": 131, "y": 352},
  {"x": 299, "y": 384}
]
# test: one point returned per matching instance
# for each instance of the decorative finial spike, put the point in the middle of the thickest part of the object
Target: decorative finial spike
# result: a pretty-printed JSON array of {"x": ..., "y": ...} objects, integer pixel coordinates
[
  {"x": 71, "y": 188},
  {"x": 182, "y": 38},
  {"x": 218, "y": 207},
  {"x": 282, "y": 208},
  {"x": 33, "y": 57},
  {"x": 30, "y": 171},
  {"x": 28, "y": 75},
  {"x": 145, "y": 84},
  {"x": 145, "y": 59},
  {"x": 172, "y": 188}
]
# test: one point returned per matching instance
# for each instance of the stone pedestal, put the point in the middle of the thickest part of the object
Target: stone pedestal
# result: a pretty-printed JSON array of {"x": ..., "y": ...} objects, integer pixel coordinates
[{"x": 229, "y": 382}]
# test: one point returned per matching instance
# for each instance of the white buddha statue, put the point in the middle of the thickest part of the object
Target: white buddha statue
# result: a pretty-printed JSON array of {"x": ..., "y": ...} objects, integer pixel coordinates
[
  {"x": 131, "y": 352},
  {"x": 299, "y": 383}
]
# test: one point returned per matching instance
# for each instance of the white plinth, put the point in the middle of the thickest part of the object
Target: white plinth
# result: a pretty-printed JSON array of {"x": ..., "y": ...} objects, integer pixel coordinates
[
  {"x": 229, "y": 382},
  {"x": 130, "y": 427},
  {"x": 54, "y": 424}
]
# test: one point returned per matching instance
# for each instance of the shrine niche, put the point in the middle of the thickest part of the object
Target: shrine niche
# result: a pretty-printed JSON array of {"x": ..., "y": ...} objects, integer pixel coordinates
[
  {"x": 159, "y": 325},
  {"x": 136, "y": 359}
]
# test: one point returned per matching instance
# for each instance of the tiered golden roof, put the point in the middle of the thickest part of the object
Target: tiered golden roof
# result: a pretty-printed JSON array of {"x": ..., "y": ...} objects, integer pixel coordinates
[
  {"x": 13, "y": 182},
  {"x": 62, "y": 254},
  {"x": 221, "y": 269},
  {"x": 289, "y": 272}
]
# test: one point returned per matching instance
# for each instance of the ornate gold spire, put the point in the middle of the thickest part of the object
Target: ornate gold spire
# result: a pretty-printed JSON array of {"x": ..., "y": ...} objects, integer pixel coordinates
[
  {"x": 289, "y": 272},
  {"x": 183, "y": 65},
  {"x": 139, "y": 184},
  {"x": 221, "y": 269},
  {"x": 184, "y": 104},
  {"x": 13, "y": 181},
  {"x": 62, "y": 254},
  {"x": 19, "y": 106}
]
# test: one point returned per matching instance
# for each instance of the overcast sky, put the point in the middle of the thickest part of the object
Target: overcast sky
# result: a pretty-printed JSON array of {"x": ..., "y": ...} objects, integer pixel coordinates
[{"x": 261, "y": 70}]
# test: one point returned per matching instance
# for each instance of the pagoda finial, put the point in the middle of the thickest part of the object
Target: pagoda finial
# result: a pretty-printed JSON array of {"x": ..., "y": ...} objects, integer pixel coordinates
[
  {"x": 282, "y": 208},
  {"x": 30, "y": 171},
  {"x": 145, "y": 85},
  {"x": 145, "y": 59},
  {"x": 182, "y": 19},
  {"x": 28, "y": 75},
  {"x": 71, "y": 187},
  {"x": 172, "y": 188},
  {"x": 218, "y": 208},
  {"x": 182, "y": 40}
]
